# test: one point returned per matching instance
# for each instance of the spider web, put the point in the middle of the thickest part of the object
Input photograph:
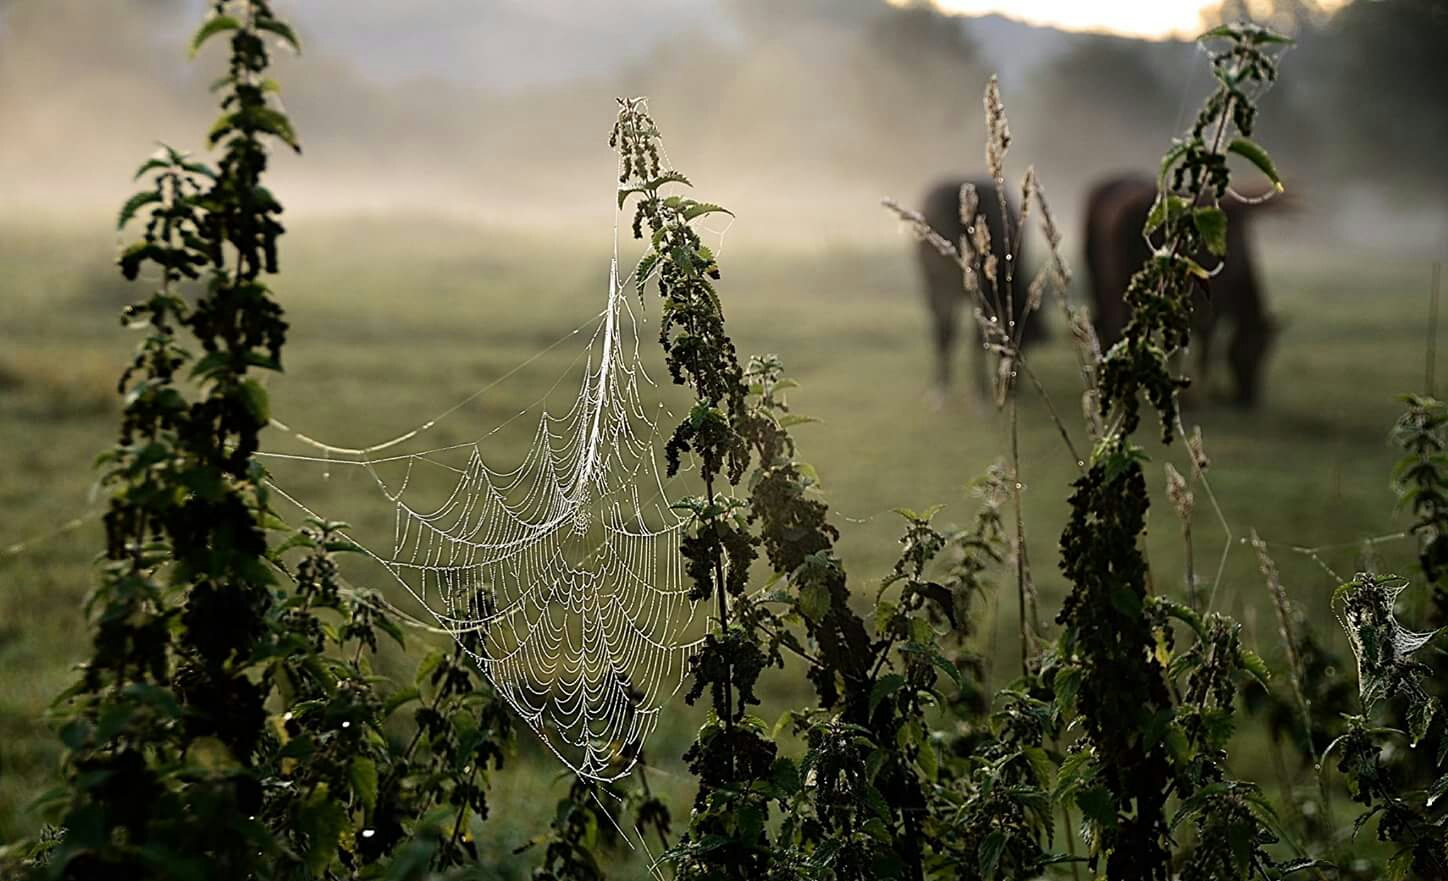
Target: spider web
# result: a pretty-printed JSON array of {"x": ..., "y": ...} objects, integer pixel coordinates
[{"x": 561, "y": 577}]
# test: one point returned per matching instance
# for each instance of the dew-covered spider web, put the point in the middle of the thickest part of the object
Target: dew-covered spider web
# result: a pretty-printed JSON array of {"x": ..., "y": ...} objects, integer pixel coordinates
[
  {"x": 557, "y": 569},
  {"x": 1365, "y": 609}
]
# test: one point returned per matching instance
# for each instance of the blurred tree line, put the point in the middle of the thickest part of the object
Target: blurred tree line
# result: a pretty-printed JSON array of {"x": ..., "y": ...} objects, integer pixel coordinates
[{"x": 808, "y": 100}]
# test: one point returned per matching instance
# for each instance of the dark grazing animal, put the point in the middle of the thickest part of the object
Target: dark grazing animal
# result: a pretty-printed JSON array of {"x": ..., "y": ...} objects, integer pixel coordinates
[
  {"x": 1116, "y": 211},
  {"x": 944, "y": 288}
]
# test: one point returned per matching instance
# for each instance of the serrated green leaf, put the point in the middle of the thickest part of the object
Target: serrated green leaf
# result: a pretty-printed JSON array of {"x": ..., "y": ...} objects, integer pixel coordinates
[
  {"x": 1167, "y": 208},
  {"x": 363, "y": 775},
  {"x": 699, "y": 209},
  {"x": 274, "y": 122},
  {"x": 990, "y": 852},
  {"x": 1252, "y": 152},
  {"x": 134, "y": 204},
  {"x": 152, "y": 164},
  {"x": 1075, "y": 769},
  {"x": 254, "y": 397},
  {"x": 929, "y": 761},
  {"x": 814, "y": 601},
  {"x": 1173, "y": 155},
  {"x": 884, "y": 687},
  {"x": 1066, "y": 683},
  {"x": 791, "y": 420},
  {"x": 282, "y": 30},
  {"x": 1253, "y": 664},
  {"x": 213, "y": 26},
  {"x": 1096, "y": 805},
  {"x": 1211, "y": 224},
  {"x": 321, "y": 819}
]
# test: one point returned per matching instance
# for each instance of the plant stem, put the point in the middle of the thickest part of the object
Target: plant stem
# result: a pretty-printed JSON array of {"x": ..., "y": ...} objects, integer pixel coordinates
[
  {"x": 1051, "y": 409},
  {"x": 1071, "y": 842},
  {"x": 1030, "y": 626},
  {"x": 723, "y": 604}
]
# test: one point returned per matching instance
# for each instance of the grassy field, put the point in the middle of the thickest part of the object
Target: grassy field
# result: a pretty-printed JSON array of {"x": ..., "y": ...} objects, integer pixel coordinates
[{"x": 395, "y": 321}]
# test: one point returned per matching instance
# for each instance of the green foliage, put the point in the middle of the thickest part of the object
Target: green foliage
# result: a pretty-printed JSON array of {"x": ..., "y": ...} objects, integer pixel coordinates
[
  {"x": 1411, "y": 817},
  {"x": 1145, "y": 745},
  {"x": 166, "y": 727},
  {"x": 1421, "y": 481},
  {"x": 230, "y": 724},
  {"x": 1193, "y": 178},
  {"x": 586, "y": 823}
]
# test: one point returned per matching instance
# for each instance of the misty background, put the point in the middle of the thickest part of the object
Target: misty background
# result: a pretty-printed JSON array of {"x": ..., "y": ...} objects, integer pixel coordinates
[{"x": 799, "y": 115}]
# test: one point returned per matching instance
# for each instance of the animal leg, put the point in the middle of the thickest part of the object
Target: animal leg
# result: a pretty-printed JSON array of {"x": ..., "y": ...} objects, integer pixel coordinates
[
  {"x": 947, "y": 322},
  {"x": 1245, "y": 356}
]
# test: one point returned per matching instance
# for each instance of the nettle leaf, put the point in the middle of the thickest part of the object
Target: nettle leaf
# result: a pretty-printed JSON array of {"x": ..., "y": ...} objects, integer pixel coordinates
[
  {"x": 155, "y": 163},
  {"x": 1420, "y": 716},
  {"x": 274, "y": 122},
  {"x": 785, "y": 775},
  {"x": 1167, "y": 209},
  {"x": 1066, "y": 683},
  {"x": 213, "y": 26},
  {"x": 1252, "y": 152},
  {"x": 645, "y": 269},
  {"x": 1171, "y": 158},
  {"x": 282, "y": 30},
  {"x": 990, "y": 852},
  {"x": 699, "y": 209},
  {"x": 429, "y": 664},
  {"x": 1211, "y": 224},
  {"x": 399, "y": 699},
  {"x": 886, "y": 686},
  {"x": 929, "y": 761},
  {"x": 363, "y": 775},
  {"x": 670, "y": 177},
  {"x": 322, "y": 820},
  {"x": 1253, "y": 664},
  {"x": 814, "y": 601},
  {"x": 255, "y": 399},
  {"x": 1097, "y": 806},
  {"x": 1075, "y": 769},
  {"x": 791, "y": 420},
  {"x": 134, "y": 204}
]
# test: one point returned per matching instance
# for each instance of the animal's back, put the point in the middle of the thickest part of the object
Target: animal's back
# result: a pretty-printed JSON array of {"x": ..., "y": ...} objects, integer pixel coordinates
[
  {"x": 1116, "y": 211},
  {"x": 941, "y": 209}
]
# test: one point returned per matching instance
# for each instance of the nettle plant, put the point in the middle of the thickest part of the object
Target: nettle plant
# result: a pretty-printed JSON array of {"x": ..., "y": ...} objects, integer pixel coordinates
[
  {"x": 1125, "y": 718},
  {"x": 229, "y": 722},
  {"x": 902, "y": 774}
]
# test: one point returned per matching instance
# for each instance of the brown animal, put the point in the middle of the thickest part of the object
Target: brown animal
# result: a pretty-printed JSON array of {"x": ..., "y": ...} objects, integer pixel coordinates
[
  {"x": 1116, "y": 211},
  {"x": 944, "y": 286}
]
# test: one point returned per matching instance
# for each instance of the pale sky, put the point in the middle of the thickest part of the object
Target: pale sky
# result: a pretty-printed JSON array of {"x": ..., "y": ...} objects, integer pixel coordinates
[{"x": 1137, "y": 18}]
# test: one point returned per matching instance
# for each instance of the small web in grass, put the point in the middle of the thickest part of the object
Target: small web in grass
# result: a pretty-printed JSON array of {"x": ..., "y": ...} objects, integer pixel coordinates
[
  {"x": 1366, "y": 610},
  {"x": 559, "y": 573}
]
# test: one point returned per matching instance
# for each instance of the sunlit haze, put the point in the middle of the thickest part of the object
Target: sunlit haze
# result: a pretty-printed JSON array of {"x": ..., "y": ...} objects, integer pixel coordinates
[{"x": 1153, "y": 19}]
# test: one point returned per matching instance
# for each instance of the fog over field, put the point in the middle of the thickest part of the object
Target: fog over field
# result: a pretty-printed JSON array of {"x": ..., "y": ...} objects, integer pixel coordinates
[{"x": 798, "y": 115}]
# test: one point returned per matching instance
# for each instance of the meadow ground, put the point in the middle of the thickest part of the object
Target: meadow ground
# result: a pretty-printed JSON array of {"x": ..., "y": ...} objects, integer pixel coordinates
[{"x": 394, "y": 321}]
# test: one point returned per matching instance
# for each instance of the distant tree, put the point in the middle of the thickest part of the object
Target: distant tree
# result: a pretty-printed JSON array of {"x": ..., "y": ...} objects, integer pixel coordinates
[
  {"x": 903, "y": 79},
  {"x": 1287, "y": 16},
  {"x": 760, "y": 18},
  {"x": 1384, "y": 66},
  {"x": 1102, "y": 106}
]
